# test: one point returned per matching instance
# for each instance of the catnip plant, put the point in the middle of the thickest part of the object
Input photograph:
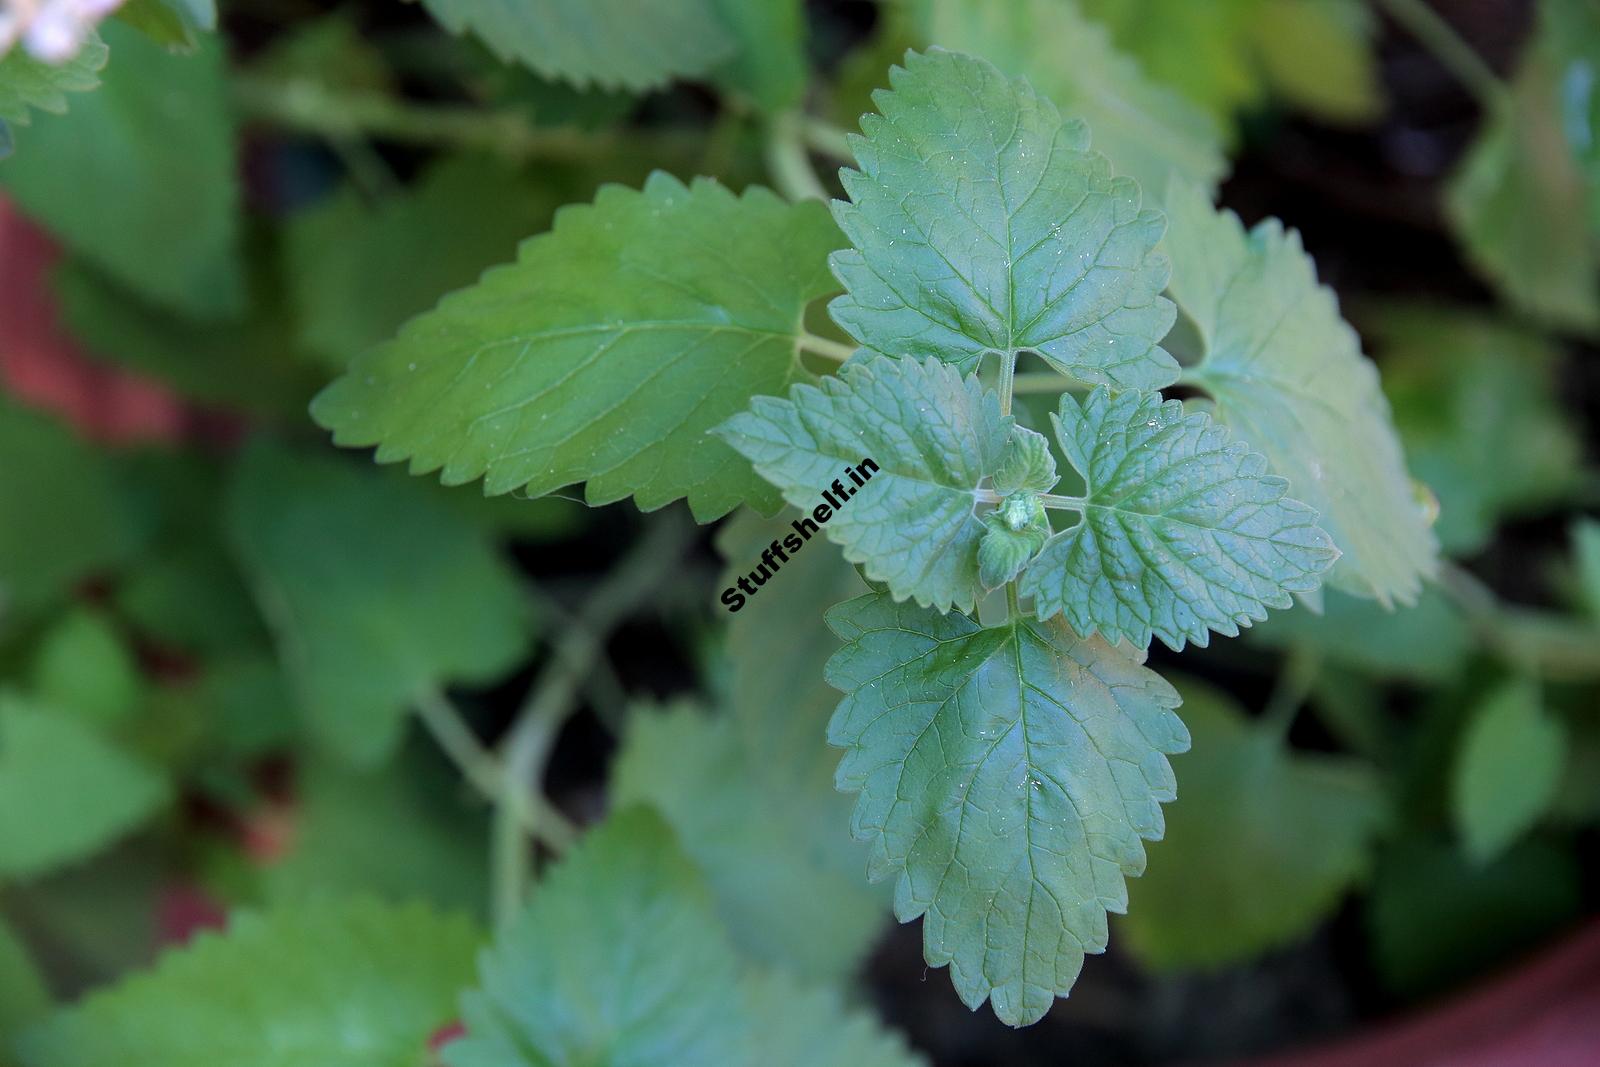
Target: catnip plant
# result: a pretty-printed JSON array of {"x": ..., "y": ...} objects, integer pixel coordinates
[
  {"x": 528, "y": 530},
  {"x": 1007, "y": 742}
]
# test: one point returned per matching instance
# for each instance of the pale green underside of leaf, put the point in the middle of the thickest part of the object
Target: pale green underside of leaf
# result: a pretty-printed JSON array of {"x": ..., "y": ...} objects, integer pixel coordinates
[
  {"x": 610, "y": 43},
  {"x": 65, "y": 791},
  {"x": 1289, "y": 379},
  {"x": 618, "y": 959},
  {"x": 934, "y": 435},
  {"x": 27, "y": 83},
  {"x": 1006, "y": 776},
  {"x": 140, "y": 178},
  {"x": 1526, "y": 216},
  {"x": 1262, "y": 846},
  {"x": 1477, "y": 406},
  {"x": 377, "y": 592},
  {"x": 605, "y": 353},
  {"x": 1507, "y": 770},
  {"x": 63, "y": 517},
  {"x": 983, "y": 222},
  {"x": 1183, "y": 532},
  {"x": 1149, "y": 132},
  {"x": 331, "y": 983},
  {"x": 775, "y": 849}
]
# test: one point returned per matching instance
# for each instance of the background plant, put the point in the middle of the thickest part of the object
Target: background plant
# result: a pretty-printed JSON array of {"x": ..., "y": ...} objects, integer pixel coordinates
[{"x": 441, "y": 753}]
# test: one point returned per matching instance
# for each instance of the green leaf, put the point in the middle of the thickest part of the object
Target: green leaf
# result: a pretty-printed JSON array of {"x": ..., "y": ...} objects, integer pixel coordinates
[
  {"x": 332, "y": 983},
  {"x": 1522, "y": 206},
  {"x": 24, "y": 999},
  {"x": 353, "y": 277},
  {"x": 177, "y": 24},
  {"x": 27, "y": 83},
  {"x": 605, "y": 353},
  {"x": 1475, "y": 400},
  {"x": 65, "y": 792},
  {"x": 1148, "y": 131},
  {"x": 83, "y": 667},
  {"x": 1007, "y": 775},
  {"x": 983, "y": 223},
  {"x": 773, "y": 846},
  {"x": 610, "y": 43},
  {"x": 249, "y": 364},
  {"x": 1018, "y": 528},
  {"x": 1426, "y": 893},
  {"x": 557, "y": 992},
  {"x": 1429, "y": 641},
  {"x": 1183, "y": 530},
  {"x": 1319, "y": 56},
  {"x": 769, "y": 60},
  {"x": 63, "y": 518},
  {"x": 1027, "y": 465},
  {"x": 913, "y": 524},
  {"x": 140, "y": 179},
  {"x": 1287, "y": 376},
  {"x": 376, "y": 590},
  {"x": 400, "y": 833},
  {"x": 1261, "y": 845},
  {"x": 1507, "y": 769}
]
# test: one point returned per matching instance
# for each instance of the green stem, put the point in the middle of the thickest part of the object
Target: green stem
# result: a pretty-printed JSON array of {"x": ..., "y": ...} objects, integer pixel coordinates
[
  {"x": 1441, "y": 39},
  {"x": 1289, "y": 694},
  {"x": 1044, "y": 382},
  {"x": 1049, "y": 500},
  {"x": 338, "y": 115},
  {"x": 482, "y": 770},
  {"x": 1542, "y": 643},
  {"x": 827, "y": 139},
  {"x": 1008, "y": 379},
  {"x": 552, "y": 698},
  {"x": 837, "y": 351},
  {"x": 1013, "y": 605},
  {"x": 787, "y": 161}
]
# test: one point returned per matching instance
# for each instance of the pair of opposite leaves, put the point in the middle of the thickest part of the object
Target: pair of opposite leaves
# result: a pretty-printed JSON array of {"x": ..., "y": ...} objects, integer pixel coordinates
[{"x": 1022, "y": 764}]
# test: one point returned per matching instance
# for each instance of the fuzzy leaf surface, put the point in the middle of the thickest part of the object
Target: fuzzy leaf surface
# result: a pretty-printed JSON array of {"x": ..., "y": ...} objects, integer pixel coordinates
[
  {"x": 1264, "y": 844},
  {"x": 1147, "y": 130},
  {"x": 983, "y": 222},
  {"x": 65, "y": 791},
  {"x": 1183, "y": 530},
  {"x": 377, "y": 591},
  {"x": 1007, "y": 776},
  {"x": 605, "y": 353},
  {"x": 934, "y": 434},
  {"x": 336, "y": 983},
  {"x": 618, "y": 959},
  {"x": 610, "y": 43},
  {"x": 1288, "y": 377}
]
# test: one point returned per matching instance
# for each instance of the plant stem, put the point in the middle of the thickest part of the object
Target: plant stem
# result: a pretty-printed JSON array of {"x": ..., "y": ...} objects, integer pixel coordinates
[
  {"x": 483, "y": 772},
  {"x": 827, "y": 139},
  {"x": 1012, "y": 604},
  {"x": 1049, "y": 500},
  {"x": 1008, "y": 376},
  {"x": 1441, "y": 39},
  {"x": 552, "y": 696},
  {"x": 1542, "y": 643},
  {"x": 821, "y": 346},
  {"x": 1289, "y": 694},
  {"x": 1044, "y": 382},
  {"x": 787, "y": 162}
]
